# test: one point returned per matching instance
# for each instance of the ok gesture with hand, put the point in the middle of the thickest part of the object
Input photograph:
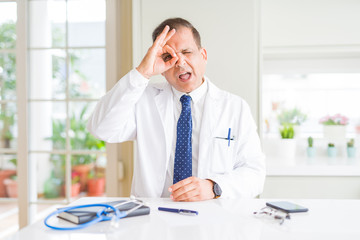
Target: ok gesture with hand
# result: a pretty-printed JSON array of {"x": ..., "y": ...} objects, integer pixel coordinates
[{"x": 160, "y": 57}]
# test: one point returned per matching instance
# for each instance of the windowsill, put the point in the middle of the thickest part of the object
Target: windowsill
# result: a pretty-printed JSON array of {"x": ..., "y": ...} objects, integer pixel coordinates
[{"x": 319, "y": 166}]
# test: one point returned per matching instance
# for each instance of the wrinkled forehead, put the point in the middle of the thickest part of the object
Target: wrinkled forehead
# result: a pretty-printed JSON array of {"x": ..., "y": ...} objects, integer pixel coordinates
[{"x": 183, "y": 39}]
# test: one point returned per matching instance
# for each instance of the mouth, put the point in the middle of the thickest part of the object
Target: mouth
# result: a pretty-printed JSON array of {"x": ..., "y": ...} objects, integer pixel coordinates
[{"x": 185, "y": 76}]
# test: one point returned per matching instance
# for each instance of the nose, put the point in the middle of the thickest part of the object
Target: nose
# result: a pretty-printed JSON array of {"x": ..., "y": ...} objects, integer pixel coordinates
[{"x": 181, "y": 60}]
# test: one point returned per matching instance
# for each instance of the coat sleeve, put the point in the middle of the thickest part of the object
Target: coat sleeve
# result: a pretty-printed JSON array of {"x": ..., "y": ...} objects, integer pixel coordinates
[
  {"x": 246, "y": 180},
  {"x": 113, "y": 119}
]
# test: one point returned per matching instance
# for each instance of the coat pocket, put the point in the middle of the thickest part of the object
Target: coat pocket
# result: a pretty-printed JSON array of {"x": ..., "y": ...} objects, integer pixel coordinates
[{"x": 222, "y": 154}]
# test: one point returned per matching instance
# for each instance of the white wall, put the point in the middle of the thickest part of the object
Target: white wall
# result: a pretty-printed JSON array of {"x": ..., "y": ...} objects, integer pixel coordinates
[
  {"x": 310, "y": 23},
  {"x": 229, "y": 32}
]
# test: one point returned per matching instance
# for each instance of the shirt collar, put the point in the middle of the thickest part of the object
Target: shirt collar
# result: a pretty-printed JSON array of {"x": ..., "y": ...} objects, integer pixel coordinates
[{"x": 195, "y": 95}]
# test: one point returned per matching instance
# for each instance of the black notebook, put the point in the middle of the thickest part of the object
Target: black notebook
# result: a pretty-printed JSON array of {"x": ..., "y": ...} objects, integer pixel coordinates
[{"x": 83, "y": 215}]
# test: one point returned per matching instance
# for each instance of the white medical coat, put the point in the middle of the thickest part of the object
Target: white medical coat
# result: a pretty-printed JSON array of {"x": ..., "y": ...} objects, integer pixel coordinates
[{"x": 144, "y": 112}]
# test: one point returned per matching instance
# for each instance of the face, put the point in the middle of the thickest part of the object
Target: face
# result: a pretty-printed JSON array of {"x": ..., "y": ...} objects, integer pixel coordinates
[{"x": 189, "y": 70}]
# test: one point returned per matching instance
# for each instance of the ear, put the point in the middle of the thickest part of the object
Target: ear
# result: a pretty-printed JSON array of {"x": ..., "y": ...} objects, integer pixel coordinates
[{"x": 203, "y": 53}]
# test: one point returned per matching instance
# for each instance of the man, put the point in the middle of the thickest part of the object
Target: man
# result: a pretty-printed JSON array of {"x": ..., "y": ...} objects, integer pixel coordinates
[{"x": 194, "y": 141}]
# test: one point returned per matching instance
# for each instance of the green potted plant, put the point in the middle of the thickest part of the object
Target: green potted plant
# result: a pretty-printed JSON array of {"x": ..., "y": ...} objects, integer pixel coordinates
[
  {"x": 311, "y": 151},
  {"x": 294, "y": 117},
  {"x": 351, "y": 150},
  {"x": 81, "y": 139},
  {"x": 75, "y": 184},
  {"x": 287, "y": 146},
  {"x": 96, "y": 182},
  {"x": 5, "y": 174},
  {"x": 52, "y": 186},
  {"x": 10, "y": 183},
  {"x": 287, "y": 131},
  {"x": 331, "y": 150}
]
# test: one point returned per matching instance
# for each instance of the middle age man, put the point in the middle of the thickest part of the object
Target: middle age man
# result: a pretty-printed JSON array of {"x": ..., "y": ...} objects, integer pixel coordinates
[{"x": 194, "y": 141}]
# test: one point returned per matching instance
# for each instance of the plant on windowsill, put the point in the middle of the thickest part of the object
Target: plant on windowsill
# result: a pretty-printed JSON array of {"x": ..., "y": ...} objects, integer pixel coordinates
[
  {"x": 80, "y": 139},
  {"x": 334, "y": 127},
  {"x": 311, "y": 150},
  {"x": 287, "y": 147},
  {"x": 351, "y": 150},
  {"x": 75, "y": 184},
  {"x": 292, "y": 117},
  {"x": 96, "y": 182},
  {"x": 11, "y": 184},
  {"x": 287, "y": 131},
  {"x": 331, "y": 150}
]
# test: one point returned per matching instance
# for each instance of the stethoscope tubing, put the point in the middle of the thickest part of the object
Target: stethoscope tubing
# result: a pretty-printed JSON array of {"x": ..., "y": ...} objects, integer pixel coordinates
[{"x": 100, "y": 216}]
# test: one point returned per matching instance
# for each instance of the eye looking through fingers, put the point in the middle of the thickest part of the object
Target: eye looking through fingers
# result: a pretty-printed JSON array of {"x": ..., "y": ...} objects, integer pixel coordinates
[{"x": 166, "y": 57}]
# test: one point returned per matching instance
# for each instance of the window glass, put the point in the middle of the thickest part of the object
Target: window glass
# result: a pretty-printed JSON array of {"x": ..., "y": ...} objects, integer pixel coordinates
[
  {"x": 49, "y": 80},
  {"x": 7, "y": 25},
  {"x": 50, "y": 175},
  {"x": 8, "y": 125},
  {"x": 80, "y": 137},
  {"x": 87, "y": 73},
  {"x": 47, "y": 126},
  {"x": 47, "y": 23},
  {"x": 312, "y": 96},
  {"x": 86, "y": 23},
  {"x": 7, "y": 76}
]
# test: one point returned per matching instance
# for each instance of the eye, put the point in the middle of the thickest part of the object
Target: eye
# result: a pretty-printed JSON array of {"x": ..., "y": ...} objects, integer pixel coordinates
[
  {"x": 166, "y": 57},
  {"x": 187, "y": 52}
]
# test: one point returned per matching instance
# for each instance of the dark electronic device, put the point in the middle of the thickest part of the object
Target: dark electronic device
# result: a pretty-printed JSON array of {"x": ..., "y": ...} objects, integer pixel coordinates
[{"x": 287, "y": 207}]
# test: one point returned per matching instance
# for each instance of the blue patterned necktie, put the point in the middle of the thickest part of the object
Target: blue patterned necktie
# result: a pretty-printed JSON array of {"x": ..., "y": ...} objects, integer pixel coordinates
[{"x": 183, "y": 152}]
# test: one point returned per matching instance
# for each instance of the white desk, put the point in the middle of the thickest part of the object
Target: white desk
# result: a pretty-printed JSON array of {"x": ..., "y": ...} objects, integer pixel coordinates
[{"x": 217, "y": 219}]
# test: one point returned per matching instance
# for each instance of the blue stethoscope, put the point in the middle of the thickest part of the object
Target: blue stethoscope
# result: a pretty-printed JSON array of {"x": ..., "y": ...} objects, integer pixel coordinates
[{"x": 107, "y": 213}]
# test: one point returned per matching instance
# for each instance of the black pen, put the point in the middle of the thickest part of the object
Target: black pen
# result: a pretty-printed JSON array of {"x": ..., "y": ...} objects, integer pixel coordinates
[{"x": 181, "y": 211}]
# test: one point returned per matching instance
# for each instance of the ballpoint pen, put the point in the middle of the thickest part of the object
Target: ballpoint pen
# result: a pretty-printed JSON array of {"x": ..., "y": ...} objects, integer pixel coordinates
[
  {"x": 229, "y": 137},
  {"x": 181, "y": 211}
]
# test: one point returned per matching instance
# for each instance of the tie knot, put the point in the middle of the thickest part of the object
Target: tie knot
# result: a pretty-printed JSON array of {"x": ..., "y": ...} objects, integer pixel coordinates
[{"x": 185, "y": 100}]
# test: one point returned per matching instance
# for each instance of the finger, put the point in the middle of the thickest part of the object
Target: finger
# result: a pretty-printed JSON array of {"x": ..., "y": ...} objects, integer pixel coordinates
[
  {"x": 188, "y": 196},
  {"x": 170, "y": 50},
  {"x": 180, "y": 184},
  {"x": 168, "y": 36},
  {"x": 183, "y": 190},
  {"x": 172, "y": 62},
  {"x": 162, "y": 36}
]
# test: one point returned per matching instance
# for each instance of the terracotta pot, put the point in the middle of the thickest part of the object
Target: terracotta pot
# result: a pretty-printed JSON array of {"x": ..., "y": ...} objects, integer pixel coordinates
[
  {"x": 75, "y": 190},
  {"x": 4, "y": 174},
  {"x": 11, "y": 188},
  {"x": 83, "y": 171},
  {"x": 96, "y": 187}
]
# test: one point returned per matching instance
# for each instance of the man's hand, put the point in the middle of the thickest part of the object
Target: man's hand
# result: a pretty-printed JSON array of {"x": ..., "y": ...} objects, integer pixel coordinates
[
  {"x": 160, "y": 57},
  {"x": 192, "y": 189}
]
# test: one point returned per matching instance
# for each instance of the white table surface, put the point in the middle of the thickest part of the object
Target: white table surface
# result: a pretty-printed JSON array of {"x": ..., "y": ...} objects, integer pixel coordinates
[{"x": 217, "y": 219}]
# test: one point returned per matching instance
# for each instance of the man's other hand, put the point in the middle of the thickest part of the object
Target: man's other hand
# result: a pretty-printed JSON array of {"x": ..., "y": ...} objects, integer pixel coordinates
[
  {"x": 160, "y": 57},
  {"x": 192, "y": 189}
]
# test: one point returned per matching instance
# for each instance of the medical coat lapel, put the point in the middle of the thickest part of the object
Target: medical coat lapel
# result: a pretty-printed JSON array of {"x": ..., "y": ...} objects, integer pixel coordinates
[
  {"x": 165, "y": 106},
  {"x": 210, "y": 119}
]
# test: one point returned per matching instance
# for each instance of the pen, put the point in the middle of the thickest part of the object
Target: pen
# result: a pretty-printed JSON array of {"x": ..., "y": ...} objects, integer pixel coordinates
[
  {"x": 229, "y": 137},
  {"x": 181, "y": 211}
]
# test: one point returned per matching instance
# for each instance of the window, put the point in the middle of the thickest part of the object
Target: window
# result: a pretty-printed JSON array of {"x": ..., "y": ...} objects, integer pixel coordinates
[
  {"x": 302, "y": 90},
  {"x": 66, "y": 75},
  {"x": 66, "y": 78},
  {"x": 310, "y": 70},
  {"x": 8, "y": 116}
]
